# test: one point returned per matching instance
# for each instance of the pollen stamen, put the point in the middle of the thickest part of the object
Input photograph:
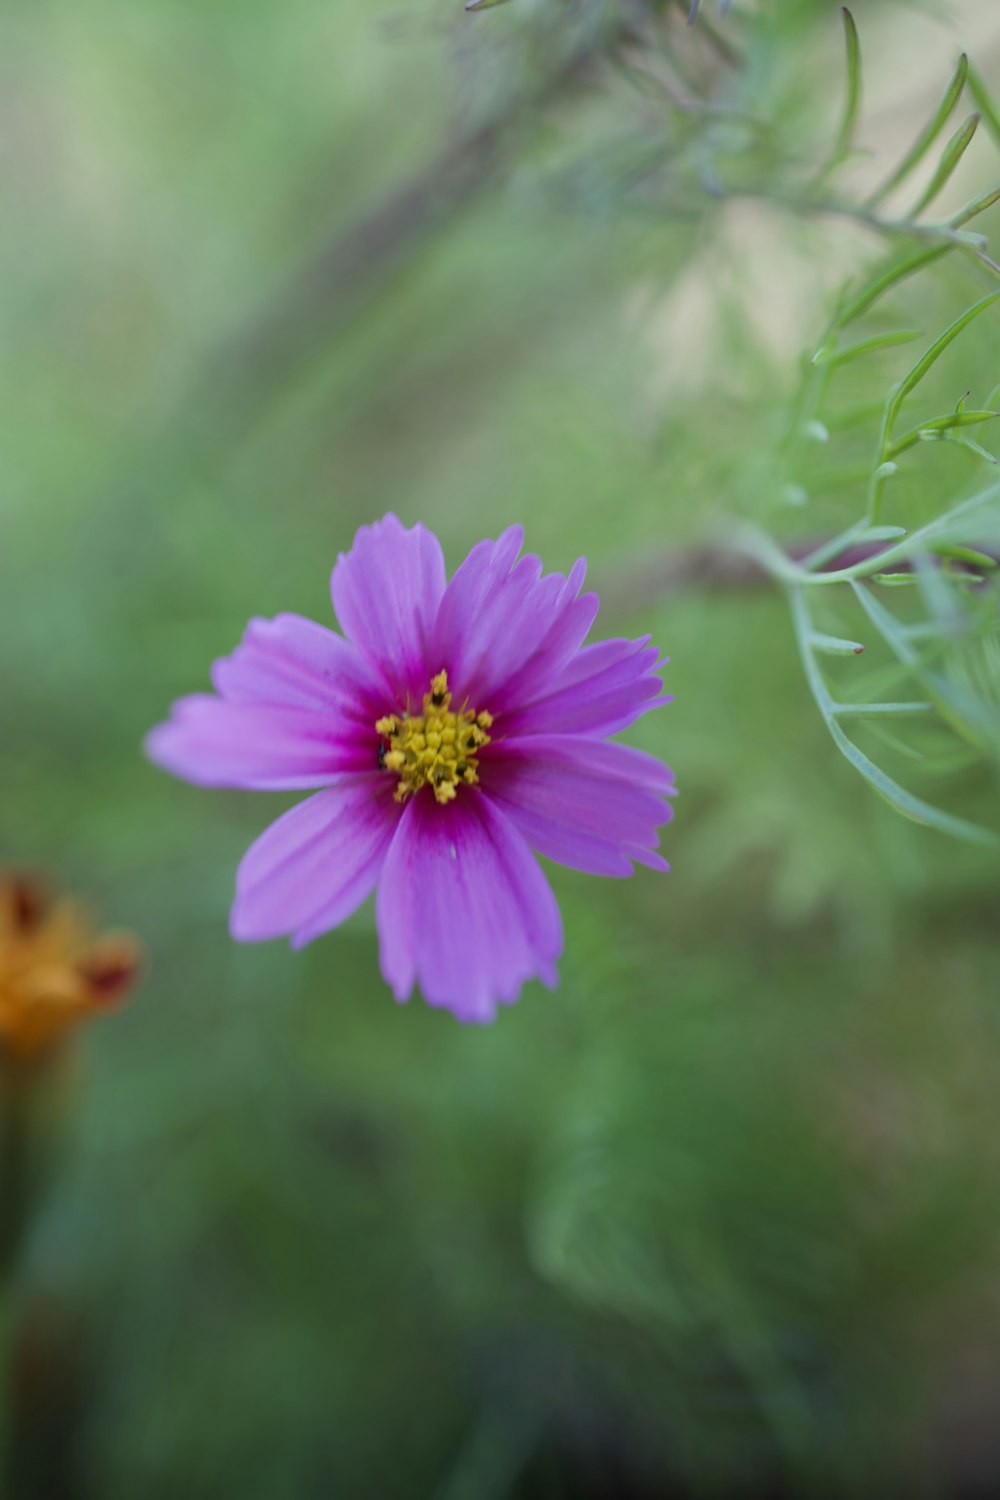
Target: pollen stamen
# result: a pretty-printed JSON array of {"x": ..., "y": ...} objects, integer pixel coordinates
[{"x": 437, "y": 748}]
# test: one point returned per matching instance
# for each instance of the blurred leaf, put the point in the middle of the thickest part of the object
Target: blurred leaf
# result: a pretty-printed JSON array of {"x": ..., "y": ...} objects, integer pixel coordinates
[
  {"x": 927, "y": 136},
  {"x": 950, "y": 158}
]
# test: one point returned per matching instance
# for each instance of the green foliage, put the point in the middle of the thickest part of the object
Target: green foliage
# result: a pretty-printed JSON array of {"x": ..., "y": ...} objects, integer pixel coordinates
[
  {"x": 816, "y": 410},
  {"x": 717, "y": 142}
]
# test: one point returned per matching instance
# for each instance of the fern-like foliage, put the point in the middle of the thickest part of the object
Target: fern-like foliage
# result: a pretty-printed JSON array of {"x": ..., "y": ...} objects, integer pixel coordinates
[
  {"x": 918, "y": 585},
  {"x": 941, "y": 642}
]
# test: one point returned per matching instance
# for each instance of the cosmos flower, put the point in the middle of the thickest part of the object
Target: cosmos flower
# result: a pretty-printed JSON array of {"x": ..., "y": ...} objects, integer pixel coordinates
[
  {"x": 53, "y": 971},
  {"x": 454, "y": 727}
]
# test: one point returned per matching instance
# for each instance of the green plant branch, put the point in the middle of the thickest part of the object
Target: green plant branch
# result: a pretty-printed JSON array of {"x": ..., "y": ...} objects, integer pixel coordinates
[
  {"x": 898, "y": 797},
  {"x": 937, "y": 535}
]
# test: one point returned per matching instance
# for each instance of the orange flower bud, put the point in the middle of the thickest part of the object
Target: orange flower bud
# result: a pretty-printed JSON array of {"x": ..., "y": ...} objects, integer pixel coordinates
[{"x": 53, "y": 971}]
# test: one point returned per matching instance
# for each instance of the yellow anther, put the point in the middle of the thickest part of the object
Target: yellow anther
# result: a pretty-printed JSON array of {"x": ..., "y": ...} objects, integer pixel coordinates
[{"x": 436, "y": 748}]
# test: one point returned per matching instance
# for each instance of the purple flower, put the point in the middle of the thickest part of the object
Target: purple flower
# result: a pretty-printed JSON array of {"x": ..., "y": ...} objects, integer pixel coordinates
[{"x": 454, "y": 727}]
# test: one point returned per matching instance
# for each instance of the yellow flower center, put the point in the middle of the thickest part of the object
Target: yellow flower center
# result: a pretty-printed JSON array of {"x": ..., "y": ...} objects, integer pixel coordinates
[{"x": 436, "y": 748}]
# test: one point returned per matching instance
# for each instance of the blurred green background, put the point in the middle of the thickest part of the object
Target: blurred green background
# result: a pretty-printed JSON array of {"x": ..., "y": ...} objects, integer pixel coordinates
[{"x": 722, "y": 1215}]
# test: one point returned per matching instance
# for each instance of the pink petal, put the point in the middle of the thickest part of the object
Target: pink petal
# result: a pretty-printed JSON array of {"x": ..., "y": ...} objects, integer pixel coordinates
[
  {"x": 602, "y": 689},
  {"x": 503, "y": 628},
  {"x": 386, "y": 593},
  {"x": 295, "y": 661},
  {"x": 317, "y": 863},
  {"x": 581, "y": 802},
  {"x": 258, "y": 746},
  {"x": 463, "y": 908},
  {"x": 551, "y": 642}
]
